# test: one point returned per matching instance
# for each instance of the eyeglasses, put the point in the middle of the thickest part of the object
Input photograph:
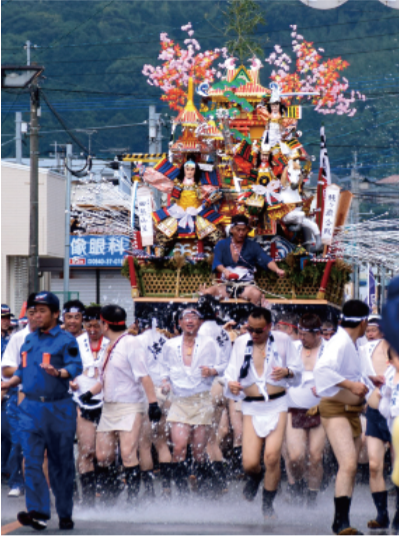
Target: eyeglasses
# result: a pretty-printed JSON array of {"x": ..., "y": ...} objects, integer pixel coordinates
[{"x": 256, "y": 331}]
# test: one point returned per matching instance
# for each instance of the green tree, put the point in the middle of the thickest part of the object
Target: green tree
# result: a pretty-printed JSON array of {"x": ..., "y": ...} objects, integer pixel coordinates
[{"x": 242, "y": 18}]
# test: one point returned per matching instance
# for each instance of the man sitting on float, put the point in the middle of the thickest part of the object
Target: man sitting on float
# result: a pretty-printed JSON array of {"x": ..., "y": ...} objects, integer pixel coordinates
[{"x": 236, "y": 259}]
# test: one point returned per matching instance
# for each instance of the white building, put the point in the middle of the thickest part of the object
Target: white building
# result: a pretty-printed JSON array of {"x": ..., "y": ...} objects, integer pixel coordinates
[{"x": 94, "y": 284}]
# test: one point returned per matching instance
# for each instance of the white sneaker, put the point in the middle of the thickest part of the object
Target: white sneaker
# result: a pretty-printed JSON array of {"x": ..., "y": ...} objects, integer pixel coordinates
[{"x": 15, "y": 492}]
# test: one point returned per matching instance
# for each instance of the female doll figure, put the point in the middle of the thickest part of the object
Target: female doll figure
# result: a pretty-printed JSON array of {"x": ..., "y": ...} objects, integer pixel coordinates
[{"x": 192, "y": 214}]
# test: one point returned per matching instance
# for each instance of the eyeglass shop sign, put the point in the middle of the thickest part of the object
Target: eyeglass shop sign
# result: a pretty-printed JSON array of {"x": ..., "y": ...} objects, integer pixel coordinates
[{"x": 98, "y": 250}]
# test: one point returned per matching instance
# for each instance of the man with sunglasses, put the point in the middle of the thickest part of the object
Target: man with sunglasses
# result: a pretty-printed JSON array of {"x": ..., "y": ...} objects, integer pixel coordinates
[
  {"x": 236, "y": 258},
  {"x": 262, "y": 366},
  {"x": 189, "y": 368}
]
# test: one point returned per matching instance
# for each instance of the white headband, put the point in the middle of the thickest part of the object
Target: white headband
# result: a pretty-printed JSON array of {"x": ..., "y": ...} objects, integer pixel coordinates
[{"x": 354, "y": 318}]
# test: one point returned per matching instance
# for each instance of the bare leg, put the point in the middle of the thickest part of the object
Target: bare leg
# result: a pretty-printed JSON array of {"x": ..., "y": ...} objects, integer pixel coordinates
[
  {"x": 86, "y": 434},
  {"x": 218, "y": 290},
  {"x": 160, "y": 438},
  {"x": 236, "y": 418},
  {"x": 213, "y": 448},
  {"x": 346, "y": 450},
  {"x": 180, "y": 434},
  {"x": 252, "y": 294},
  {"x": 317, "y": 438},
  {"x": 252, "y": 446},
  {"x": 129, "y": 443},
  {"x": 105, "y": 448},
  {"x": 200, "y": 436},
  {"x": 145, "y": 457},
  {"x": 296, "y": 447},
  {"x": 376, "y": 453},
  {"x": 272, "y": 454}
]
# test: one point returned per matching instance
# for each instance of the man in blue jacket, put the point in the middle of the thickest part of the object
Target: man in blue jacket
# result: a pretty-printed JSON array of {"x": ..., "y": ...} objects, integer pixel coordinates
[
  {"x": 49, "y": 360},
  {"x": 236, "y": 259}
]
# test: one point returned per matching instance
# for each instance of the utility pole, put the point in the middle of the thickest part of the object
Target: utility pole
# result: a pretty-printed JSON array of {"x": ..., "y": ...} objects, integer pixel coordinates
[
  {"x": 355, "y": 208},
  {"x": 18, "y": 137},
  {"x": 33, "y": 279},
  {"x": 155, "y": 143},
  {"x": 28, "y": 53},
  {"x": 67, "y": 221}
]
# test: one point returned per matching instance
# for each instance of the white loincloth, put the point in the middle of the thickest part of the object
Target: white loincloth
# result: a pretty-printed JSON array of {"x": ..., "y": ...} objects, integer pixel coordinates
[{"x": 265, "y": 414}]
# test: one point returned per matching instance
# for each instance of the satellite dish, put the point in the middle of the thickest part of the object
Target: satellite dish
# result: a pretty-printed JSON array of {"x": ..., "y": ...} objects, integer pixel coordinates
[
  {"x": 390, "y": 3},
  {"x": 323, "y": 4}
]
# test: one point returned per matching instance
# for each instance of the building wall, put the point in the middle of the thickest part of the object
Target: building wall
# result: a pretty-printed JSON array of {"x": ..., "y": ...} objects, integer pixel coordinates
[{"x": 15, "y": 194}]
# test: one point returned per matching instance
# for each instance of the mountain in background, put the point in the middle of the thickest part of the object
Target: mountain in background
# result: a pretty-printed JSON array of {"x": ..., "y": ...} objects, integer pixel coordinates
[{"x": 94, "y": 52}]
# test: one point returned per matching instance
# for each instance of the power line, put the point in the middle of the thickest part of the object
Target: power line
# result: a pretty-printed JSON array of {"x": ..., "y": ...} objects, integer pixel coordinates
[{"x": 39, "y": 48}]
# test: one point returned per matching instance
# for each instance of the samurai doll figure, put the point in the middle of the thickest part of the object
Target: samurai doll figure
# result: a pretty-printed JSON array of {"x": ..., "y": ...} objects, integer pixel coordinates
[
  {"x": 277, "y": 128},
  {"x": 266, "y": 184},
  {"x": 193, "y": 213}
]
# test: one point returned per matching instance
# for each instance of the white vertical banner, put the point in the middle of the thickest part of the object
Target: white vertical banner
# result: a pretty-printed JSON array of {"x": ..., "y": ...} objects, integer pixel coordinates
[
  {"x": 332, "y": 195},
  {"x": 145, "y": 210}
]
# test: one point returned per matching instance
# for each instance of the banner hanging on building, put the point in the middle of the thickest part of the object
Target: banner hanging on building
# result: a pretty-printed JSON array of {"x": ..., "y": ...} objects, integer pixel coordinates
[{"x": 98, "y": 250}]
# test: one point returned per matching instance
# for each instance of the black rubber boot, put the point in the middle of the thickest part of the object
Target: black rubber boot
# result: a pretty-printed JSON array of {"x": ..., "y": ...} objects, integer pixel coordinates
[
  {"x": 88, "y": 483},
  {"x": 218, "y": 479},
  {"x": 296, "y": 492},
  {"x": 395, "y": 522},
  {"x": 108, "y": 483},
  {"x": 237, "y": 466},
  {"x": 267, "y": 503},
  {"x": 180, "y": 477},
  {"x": 251, "y": 487},
  {"x": 147, "y": 479},
  {"x": 382, "y": 518},
  {"x": 203, "y": 478},
  {"x": 341, "y": 522},
  {"x": 311, "y": 498},
  {"x": 132, "y": 477},
  {"x": 165, "y": 473}
]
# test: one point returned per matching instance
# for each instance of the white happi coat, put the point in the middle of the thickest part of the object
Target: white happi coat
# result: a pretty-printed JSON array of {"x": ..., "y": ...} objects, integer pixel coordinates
[
  {"x": 341, "y": 360},
  {"x": 152, "y": 343},
  {"x": 221, "y": 337},
  {"x": 282, "y": 353},
  {"x": 302, "y": 396},
  {"x": 187, "y": 380},
  {"x": 86, "y": 382},
  {"x": 389, "y": 404}
]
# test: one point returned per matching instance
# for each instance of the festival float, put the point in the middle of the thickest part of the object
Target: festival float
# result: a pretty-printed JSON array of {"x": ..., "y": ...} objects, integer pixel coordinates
[{"x": 239, "y": 151}]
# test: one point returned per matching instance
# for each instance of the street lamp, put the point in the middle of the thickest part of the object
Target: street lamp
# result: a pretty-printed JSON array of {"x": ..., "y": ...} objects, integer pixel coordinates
[{"x": 21, "y": 77}]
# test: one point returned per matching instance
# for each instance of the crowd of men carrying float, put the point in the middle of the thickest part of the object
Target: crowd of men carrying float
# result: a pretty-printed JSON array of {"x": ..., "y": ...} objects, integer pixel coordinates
[{"x": 286, "y": 390}]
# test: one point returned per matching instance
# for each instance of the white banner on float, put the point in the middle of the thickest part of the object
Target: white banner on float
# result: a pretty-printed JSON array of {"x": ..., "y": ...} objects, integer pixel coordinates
[
  {"x": 332, "y": 195},
  {"x": 145, "y": 209}
]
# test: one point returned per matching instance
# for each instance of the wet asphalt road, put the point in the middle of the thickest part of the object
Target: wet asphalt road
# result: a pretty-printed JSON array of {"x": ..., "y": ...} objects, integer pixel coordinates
[{"x": 228, "y": 516}]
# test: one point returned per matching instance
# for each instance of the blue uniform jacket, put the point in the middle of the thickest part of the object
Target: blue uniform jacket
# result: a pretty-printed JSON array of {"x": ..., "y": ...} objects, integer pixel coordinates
[
  {"x": 64, "y": 353},
  {"x": 251, "y": 255}
]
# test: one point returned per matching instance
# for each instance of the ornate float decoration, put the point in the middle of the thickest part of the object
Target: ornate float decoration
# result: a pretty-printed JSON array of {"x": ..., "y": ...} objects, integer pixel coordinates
[{"x": 238, "y": 150}]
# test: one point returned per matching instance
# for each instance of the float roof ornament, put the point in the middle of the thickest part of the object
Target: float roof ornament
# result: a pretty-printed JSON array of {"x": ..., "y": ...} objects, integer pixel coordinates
[
  {"x": 244, "y": 81},
  {"x": 190, "y": 116}
]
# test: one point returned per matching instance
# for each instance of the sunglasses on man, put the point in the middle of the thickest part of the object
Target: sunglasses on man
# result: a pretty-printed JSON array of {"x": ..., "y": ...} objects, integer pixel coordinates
[{"x": 251, "y": 330}]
